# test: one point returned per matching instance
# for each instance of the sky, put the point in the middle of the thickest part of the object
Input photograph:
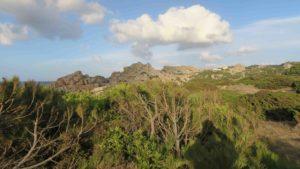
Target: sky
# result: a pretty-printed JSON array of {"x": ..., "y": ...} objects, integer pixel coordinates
[{"x": 46, "y": 39}]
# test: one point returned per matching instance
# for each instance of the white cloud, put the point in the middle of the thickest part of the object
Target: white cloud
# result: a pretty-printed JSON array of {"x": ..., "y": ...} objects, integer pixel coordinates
[
  {"x": 10, "y": 33},
  {"x": 208, "y": 57},
  {"x": 187, "y": 27},
  {"x": 52, "y": 18}
]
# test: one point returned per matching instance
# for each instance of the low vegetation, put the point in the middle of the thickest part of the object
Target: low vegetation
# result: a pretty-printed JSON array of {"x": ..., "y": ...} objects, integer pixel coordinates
[{"x": 151, "y": 124}]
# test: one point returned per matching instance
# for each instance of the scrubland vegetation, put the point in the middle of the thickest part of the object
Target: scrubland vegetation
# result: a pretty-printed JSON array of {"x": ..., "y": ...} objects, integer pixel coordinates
[{"x": 152, "y": 124}]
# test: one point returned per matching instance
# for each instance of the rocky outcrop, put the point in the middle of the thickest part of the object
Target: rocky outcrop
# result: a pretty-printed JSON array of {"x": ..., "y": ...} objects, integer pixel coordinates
[
  {"x": 79, "y": 82},
  {"x": 142, "y": 72},
  {"x": 135, "y": 72}
]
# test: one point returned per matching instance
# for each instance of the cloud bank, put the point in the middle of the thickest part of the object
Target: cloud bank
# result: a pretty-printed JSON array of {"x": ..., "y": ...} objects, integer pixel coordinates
[
  {"x": 54, "y": 18},
  {"x": 191, "y": 27}
]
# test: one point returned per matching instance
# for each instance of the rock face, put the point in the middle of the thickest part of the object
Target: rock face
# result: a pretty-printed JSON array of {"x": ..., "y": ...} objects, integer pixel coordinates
[
  {"x": 79, "y": 82},
  {"x": 135, "y": 72}
]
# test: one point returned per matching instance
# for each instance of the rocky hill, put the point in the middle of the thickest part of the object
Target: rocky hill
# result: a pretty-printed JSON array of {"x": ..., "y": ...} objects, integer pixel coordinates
[{"x": 136, "y": 72}]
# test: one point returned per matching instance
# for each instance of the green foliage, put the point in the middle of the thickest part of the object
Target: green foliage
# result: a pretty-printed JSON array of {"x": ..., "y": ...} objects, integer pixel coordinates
[
  {"x": 220, "y": 132},
  {"x": 118, "y": 148},
  {"x": 268, "y": 82}
]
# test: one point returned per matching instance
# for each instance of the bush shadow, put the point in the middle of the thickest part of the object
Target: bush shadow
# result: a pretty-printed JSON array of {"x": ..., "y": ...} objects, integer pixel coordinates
[{"x": 212, "y": 149}]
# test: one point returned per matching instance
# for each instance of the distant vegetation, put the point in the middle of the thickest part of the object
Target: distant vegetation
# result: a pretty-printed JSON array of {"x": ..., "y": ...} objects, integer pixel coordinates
[{"x": 150, "y": 124}]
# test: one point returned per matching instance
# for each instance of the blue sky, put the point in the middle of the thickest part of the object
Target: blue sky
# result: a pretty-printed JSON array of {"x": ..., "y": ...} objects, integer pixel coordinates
[{"x": 89, "y": 35}]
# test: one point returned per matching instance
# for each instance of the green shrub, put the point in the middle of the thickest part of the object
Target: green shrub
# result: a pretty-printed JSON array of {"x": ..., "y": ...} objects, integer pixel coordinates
[
  {"x": 277, "y": 106},
  {"x": 121, "y": 148},
  {"x": 296, "y": 86},
  {"x": 268, "y": 82}
]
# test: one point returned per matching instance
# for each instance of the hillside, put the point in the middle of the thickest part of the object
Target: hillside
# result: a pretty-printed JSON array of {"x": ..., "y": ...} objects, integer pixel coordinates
[{"x": 178, "y": 117}]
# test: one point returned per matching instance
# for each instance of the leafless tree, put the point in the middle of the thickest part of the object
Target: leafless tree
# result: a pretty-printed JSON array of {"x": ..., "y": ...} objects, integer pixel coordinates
[
  {"x": 175, "y": 122},
  {"x": 168, "y": 117}
]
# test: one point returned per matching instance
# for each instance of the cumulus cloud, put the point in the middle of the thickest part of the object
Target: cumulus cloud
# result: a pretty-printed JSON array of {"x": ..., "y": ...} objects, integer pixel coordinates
[
  {"x": 10, "y": 33},
  {"x": 208, "y": 57},
  {"x": 189, "y": 27},
  {"x": 50, "y": 18}
]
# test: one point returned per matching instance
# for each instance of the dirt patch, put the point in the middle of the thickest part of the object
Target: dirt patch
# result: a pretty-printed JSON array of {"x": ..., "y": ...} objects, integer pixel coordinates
[
  {"x": 250, "y": 89},
  {"x": 241, "y": 88},
  {"x": 286, "y": 89}
]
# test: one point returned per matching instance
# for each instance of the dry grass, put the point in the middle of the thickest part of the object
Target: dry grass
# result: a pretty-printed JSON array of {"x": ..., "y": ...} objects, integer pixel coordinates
[{"x": 282, "y": 138}]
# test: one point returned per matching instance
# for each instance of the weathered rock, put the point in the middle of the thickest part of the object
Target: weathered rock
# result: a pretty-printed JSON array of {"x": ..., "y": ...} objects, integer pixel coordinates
[{"x": 79, "y": 82}]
